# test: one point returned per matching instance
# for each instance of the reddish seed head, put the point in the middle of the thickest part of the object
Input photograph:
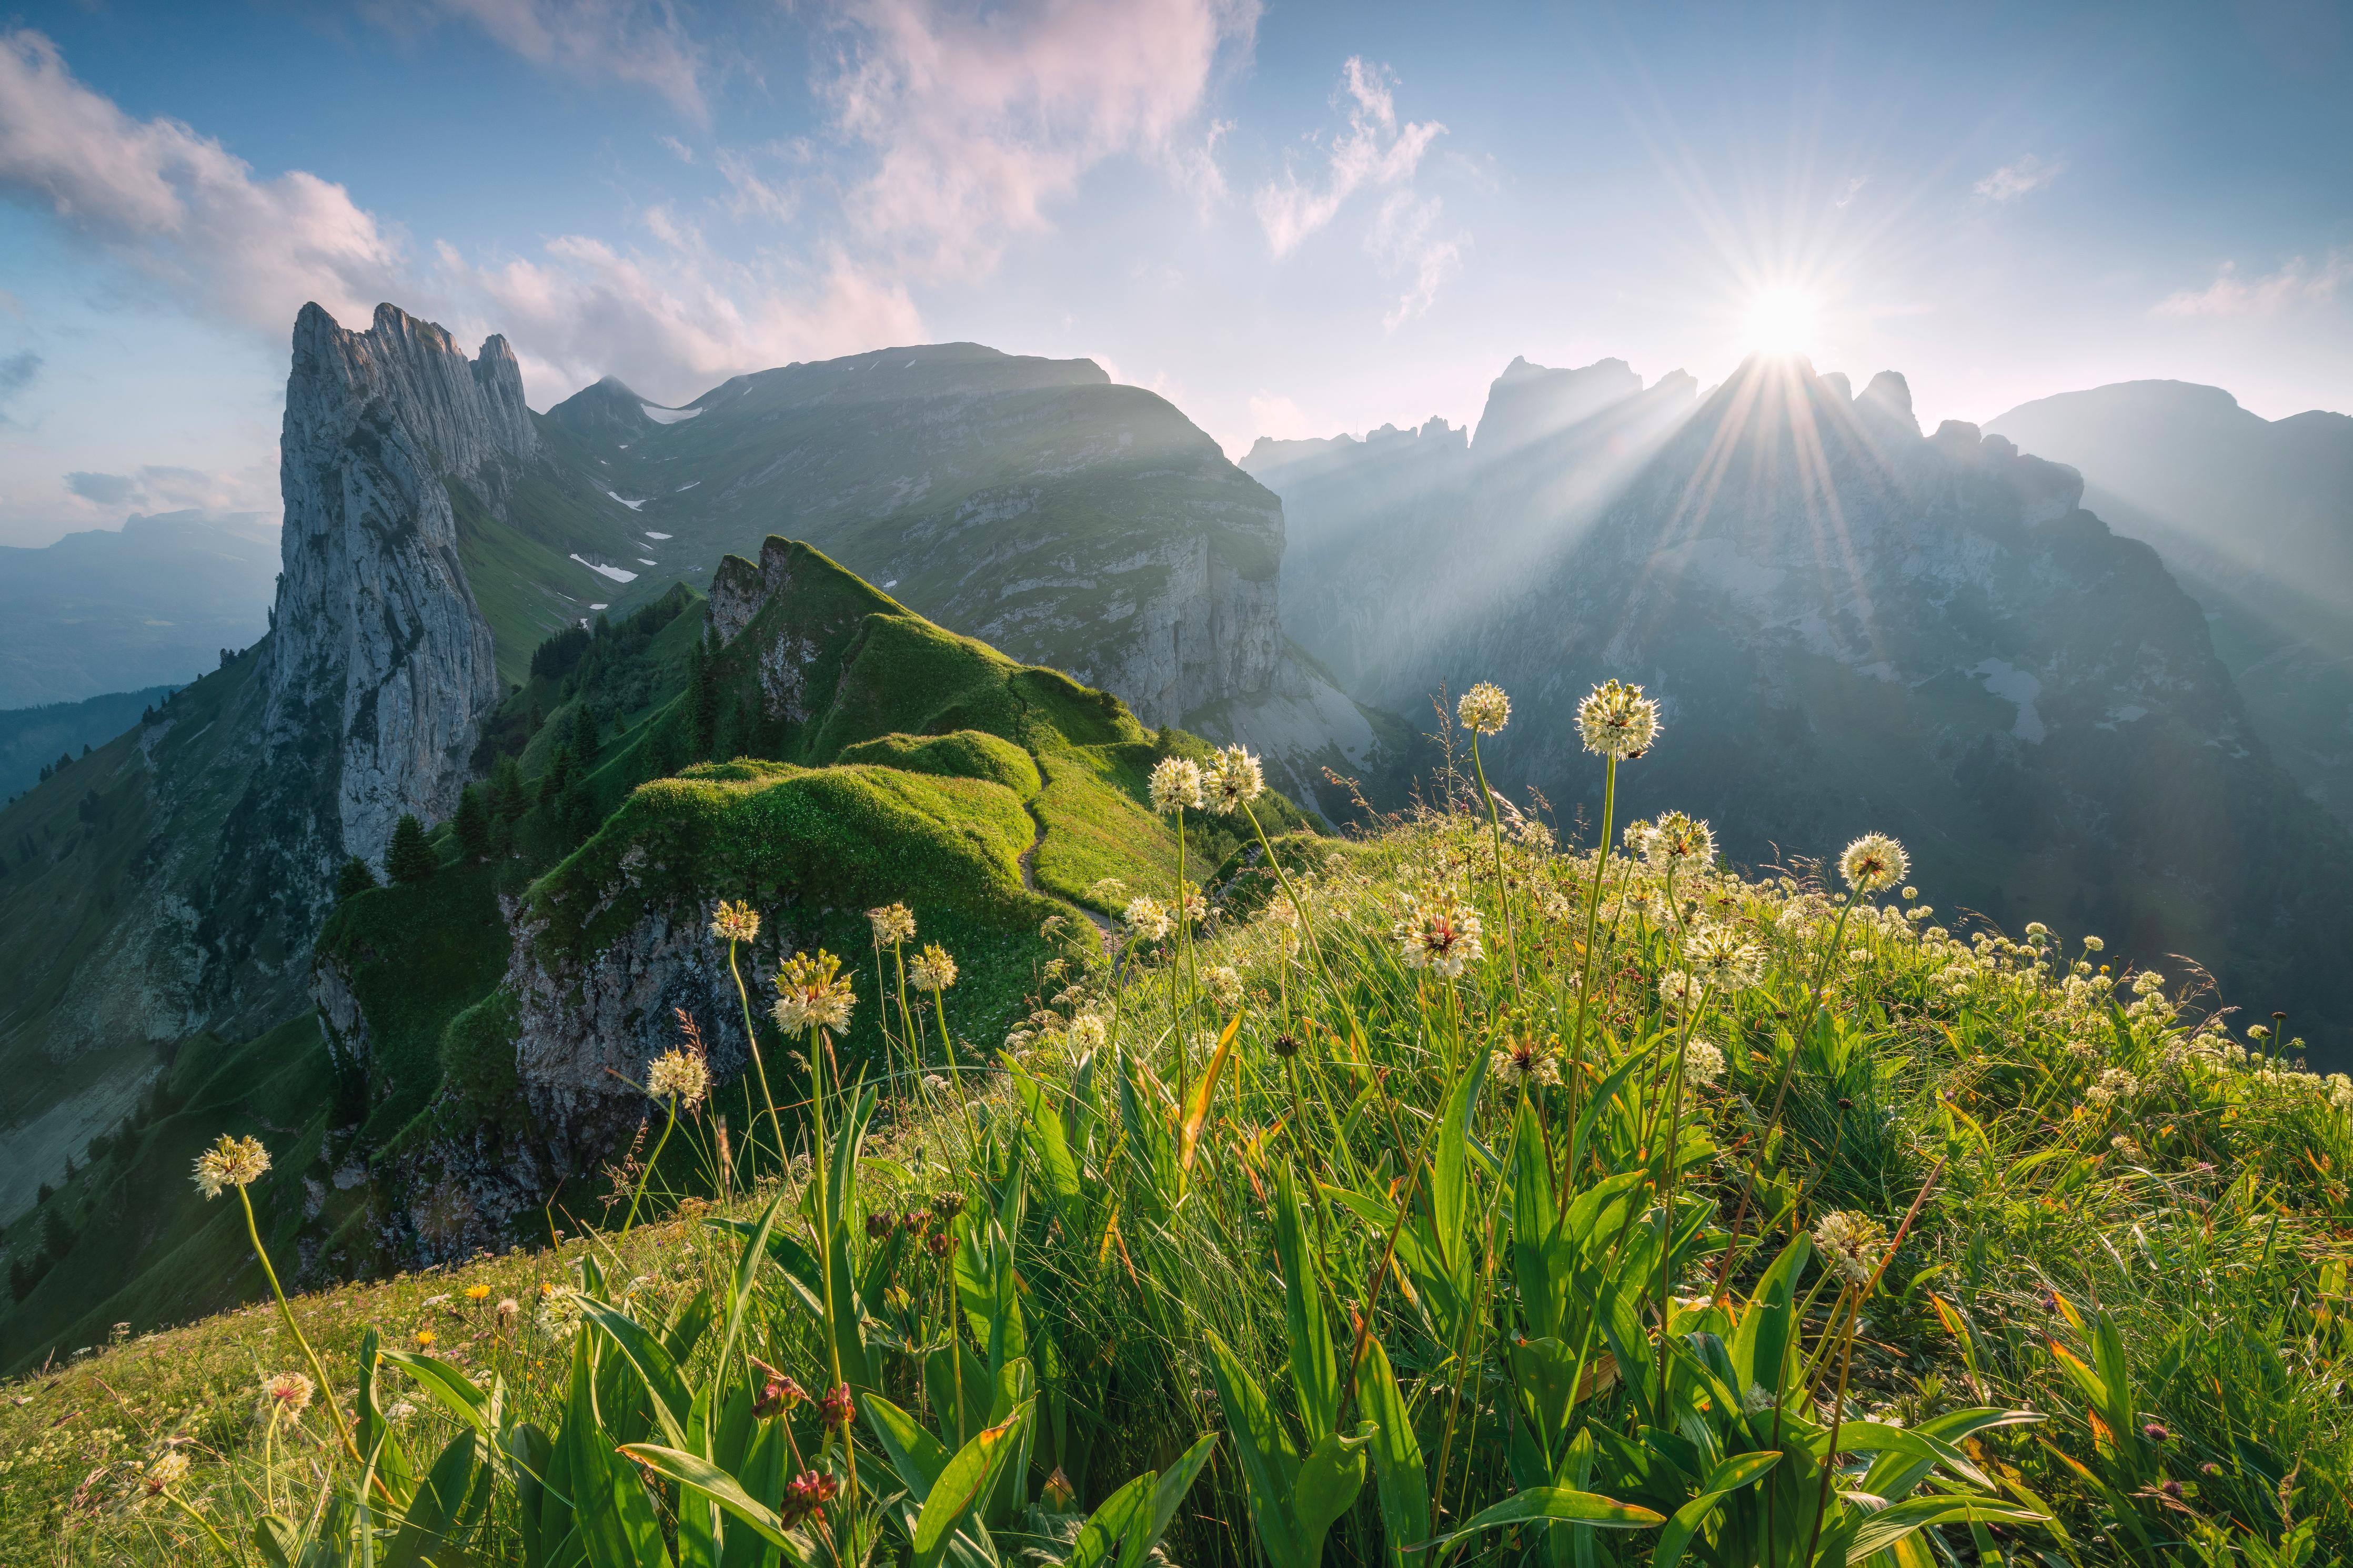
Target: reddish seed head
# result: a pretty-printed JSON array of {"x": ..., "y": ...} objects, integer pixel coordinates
[
  {"x": 837, "y": 1409},
  {"x": 2154, "y": 1432},
  {"x": 781, "y": 1394},
  {"x": 808, "y": 1493}
]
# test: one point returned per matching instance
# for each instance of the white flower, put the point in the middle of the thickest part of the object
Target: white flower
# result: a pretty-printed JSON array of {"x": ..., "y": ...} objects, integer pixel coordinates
[
  {"x": 678, "y": 1075},
  {"x": 936, "y": 1083},
  {"x": 1703, "y": 1063},
  {"x": 1485, "y": 710},
  {"x": 1525, "y": 1064},
  {"x": 1148, "y": 917},
  {"x": 1089, "y": 1031},
  {"x": 1617, "y": 722},
  {"x": 1872, "y": 863},
  {"x": 1224, "y": 985},
  {"x": 893, "y": 924},
  {"x": 812, "y": 994},
  {"x": 1438, "y": 934},
  {"x": 1232, "y": 781},
  {"x": 932, "y": 969},
  {"x": 1851, "y": 1244},
  {"x": 735, "y": 922},
  {"x": 1176, "y": 784},
  {"x": 230, "y": 1162},
  {"x": 1677, "y": 841},
  {"x": 1678, "y": 990},
  {"x": 1721, "y": 957},
  {"x": 2114, "y": 1084}
]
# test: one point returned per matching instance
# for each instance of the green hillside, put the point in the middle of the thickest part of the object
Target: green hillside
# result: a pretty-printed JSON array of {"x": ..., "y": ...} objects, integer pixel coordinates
[{"x": 913, "y": 766}]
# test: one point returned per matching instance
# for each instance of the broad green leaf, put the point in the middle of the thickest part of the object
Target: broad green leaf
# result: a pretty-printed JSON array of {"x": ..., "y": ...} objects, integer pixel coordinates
[
  {"x": 916, "y": 1457},
  {"x": 702, "y": 1476},
  {"x": 967, "y": 1480},
  {"x": 1270, "y": 1463},
  {"x": 747, "y": 1268},
  {"x": 1167, "y": 1492},
  {"x": 1556, "y": 1505},
  {"x": 1330, "y": 1477},
  {"x": 1740, "y": 1470},
  {"x": 1101, "y": 1540},
  {"x": 441, "y": 1507},
  {"x": 280, "y": 1542},
  {"x": 444, "y": 1385},
  {"x": 1898, "y": 1519},
  {"x": 1398, "y": 1479},
  {"x": 1450, "y": 1181},
  {"x": 664, "y": 1385},
  {"x": 1314, "y": 1367}
]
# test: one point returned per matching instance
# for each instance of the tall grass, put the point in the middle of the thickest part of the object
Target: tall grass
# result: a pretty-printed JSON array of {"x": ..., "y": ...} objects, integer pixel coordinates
[{"x": 1741, "y": 1220}]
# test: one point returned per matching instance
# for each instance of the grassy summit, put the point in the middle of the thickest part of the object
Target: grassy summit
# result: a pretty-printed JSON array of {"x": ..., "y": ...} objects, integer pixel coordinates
[{"x": 1461, "y": 1191}]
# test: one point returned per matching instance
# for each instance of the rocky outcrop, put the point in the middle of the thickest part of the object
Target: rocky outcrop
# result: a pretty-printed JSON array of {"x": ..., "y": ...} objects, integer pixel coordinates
[{"x": 382, "y": 666}]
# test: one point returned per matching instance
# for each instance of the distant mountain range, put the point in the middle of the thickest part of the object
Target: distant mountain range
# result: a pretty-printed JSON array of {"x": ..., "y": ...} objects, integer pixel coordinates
[
  {"x": 1855, "y": 626},
  {"x": 112, "y": 610},
  {"x": 2255, "y": 517},
  {"x": 32, "y": 738}
]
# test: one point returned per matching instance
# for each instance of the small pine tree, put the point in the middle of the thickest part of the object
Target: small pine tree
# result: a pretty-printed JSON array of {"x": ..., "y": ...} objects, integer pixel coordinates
[
  {"x": 410, "y": 859},
  {"x": 511, "y": 797},
  {"x": 578, "y": 815},
  {"x": 354, "y": 878},
  {"x": 703, "y": 690},
  {"x": 584, "y": 734},
  {"x": 473, "y": 824},
  {"x": 557, "y": 779}
]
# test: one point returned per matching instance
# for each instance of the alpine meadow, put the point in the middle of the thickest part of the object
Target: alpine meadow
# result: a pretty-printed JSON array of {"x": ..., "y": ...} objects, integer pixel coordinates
[{"x": 901, "y": 954}]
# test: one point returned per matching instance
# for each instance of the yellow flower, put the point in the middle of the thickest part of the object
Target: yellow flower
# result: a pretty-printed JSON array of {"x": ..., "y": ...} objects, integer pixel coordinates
[
  {"x": 477, "y": 1292},
  {"x": 425, "y": 1337}
]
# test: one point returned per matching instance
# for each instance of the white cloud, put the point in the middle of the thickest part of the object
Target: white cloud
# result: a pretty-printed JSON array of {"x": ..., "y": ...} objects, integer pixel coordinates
[
  {"x": 162, "y": 487},
  {"x": 977, "y": 121},
  {"x": 1376, "y": 153},
  {"x": 670, "y": 325},
  {"x": 641, "y": 42},
  {"x": 180, "y": 210},
  {"x": 178, "y": 207},
  {"x": 2014, "y": 180},
  {"x": 2296, "y": 283},
  {"x": 1279, "y": 417}
]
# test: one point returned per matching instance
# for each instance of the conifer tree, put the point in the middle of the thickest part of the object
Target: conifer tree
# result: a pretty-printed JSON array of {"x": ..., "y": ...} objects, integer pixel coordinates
[
  {"x": 410, "y": 859},
  {"x": 473, "y": 824},
  {"x": 557, "y": 779},
  {"x": 353, "y": 878}
]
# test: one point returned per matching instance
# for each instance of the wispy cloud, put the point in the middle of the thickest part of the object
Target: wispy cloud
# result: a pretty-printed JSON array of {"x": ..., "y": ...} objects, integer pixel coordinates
[
  {"x": 177, "y": 206},
  {"x": 178, "y": 209},
  {"x": 17, "y": 372},
  {"x": 2020, "y": 178},
  {"x": 643, "y": 43},
  {"x": 163, "y": 487},
  {"x": 1375, "y": 151},
  {"x": 2296, "y": 283},
  {"x": 977, "y": 122}
]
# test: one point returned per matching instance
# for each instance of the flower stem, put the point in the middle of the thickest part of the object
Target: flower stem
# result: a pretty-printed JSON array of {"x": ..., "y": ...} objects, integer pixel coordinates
[
  {"x": 643, "y": 1175},
  {"x": 1495, "y": 831},
  {"x": 326, "y": 1389},
  {"x": 752, "y": 1039}
]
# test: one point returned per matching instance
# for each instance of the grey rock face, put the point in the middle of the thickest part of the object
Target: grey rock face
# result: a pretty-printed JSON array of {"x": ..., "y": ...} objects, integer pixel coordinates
[{"x": 382, "y": 667}]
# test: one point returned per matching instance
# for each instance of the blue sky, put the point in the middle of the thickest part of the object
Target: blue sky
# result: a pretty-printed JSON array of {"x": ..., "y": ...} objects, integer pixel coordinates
[{"x": 1291, "y": 220}]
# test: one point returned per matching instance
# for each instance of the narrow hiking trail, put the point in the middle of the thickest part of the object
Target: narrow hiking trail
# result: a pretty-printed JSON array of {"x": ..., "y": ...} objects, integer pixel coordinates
[{"x": 1028, "y": 862}]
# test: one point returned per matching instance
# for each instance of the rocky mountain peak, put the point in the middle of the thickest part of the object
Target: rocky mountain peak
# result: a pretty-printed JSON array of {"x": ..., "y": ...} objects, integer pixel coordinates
[
  {"x": 1890, "y": 394},
  {"x": 381, "y": 666}
]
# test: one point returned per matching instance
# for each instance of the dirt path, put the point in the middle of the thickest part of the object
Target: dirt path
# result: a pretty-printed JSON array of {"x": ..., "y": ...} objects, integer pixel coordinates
[{"x": 1108, "y": 933}]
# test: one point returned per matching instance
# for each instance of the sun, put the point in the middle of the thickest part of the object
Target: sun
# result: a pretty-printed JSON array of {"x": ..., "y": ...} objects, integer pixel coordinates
[{"x": 1780, "y": 321}]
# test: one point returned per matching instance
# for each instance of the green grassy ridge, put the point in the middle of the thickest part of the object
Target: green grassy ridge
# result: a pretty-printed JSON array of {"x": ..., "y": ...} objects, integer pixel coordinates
[{"x": 167, "y": 1255}]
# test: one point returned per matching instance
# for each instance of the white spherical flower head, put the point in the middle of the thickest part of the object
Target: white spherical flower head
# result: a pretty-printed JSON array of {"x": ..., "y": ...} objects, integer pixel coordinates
[
  {"x": 1679, "y": 990},
  {"x": 288, "y": 1391},
  {"x": 1438, "y": 935},
  {"x": 1720, "y": 958},
  {"x": 933, "y": 970},
  {"x": 1525, "y": 1065},
  {"x": 735, "y": 922},
  {"x": 893, "y": 924},
  {"x": 1175, "y": 785},
  {"x": 1233, "y": 780},
  {"x": 1703, "y": 1064},
  {"x": 1224, "y": 984},
  {"x": 1485, "y": 710},
  {"x": 1089, "y": 1031},
  {"x": 680, "y": 1076},
  {"x": 1148, "y": 917},
  {"x": 813, "y": 994},
  {"x": 1874, "y": 863},
  {"x": 1617, "y": 722},
  {"x": 1852, "y": 1245},
  {"x": 230, "y": 1162},
  {"x": 1677, "y": 842}
]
